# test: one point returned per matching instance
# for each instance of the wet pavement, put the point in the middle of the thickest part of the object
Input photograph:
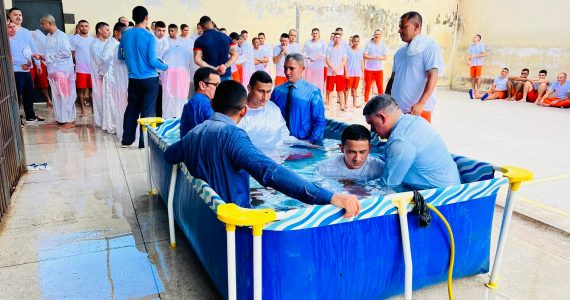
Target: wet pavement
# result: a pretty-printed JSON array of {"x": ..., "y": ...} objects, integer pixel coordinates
[{"x": 85, "y": 228}]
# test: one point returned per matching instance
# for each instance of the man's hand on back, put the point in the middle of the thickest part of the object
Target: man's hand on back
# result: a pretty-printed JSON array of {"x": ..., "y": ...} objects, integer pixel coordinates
[{"x": 349, "y": 202}]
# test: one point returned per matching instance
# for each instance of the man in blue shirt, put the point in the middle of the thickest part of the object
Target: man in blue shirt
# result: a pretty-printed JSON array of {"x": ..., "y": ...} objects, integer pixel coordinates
[
  {"x": 138, "y": 50},
  {"x": 300, "y": 102},
  {"x": 213, "y": 48},
  {"x": 222, "y": 154},
  {"x": 199, "y": 107},
  {"x": 416, "y": 156}
]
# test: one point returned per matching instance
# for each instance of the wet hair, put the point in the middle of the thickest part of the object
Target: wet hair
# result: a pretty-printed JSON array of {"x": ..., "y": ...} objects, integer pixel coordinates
[
  {"x": 315, "y": 29},
  {"x": 100, "y": 25},
  {"x": 202, "y": 74},
  {"x": 139, "y": 13},
  {"x": 259, "y": 76},
  {"x": 355, "y": 132},
  {"x": 172, "y": 26},
  {"x": 82, "y": 21},
  {"x": 12, "y": 9},
  {"x": 379, "y": 103},
  {"x": 118, "y": 26},
  {"x": 298, "y": 57},
  {"x": 234, "y": 36},
  {"x": 183, "y": 26},
  {"x": 244, "y": 31},
  {"x": 204, "y": 20},
  {"x": 525, "y": 69},
  {"x": 543, "y": 72},
  {"x": 230, "y": 98},
  {"x": 47, "y": 18},
  {"x": 413, "y": 15},
  {"x": 159, "y": 24},
  {"x": 284, "y": 36},
  {"x": 261, "y": 33}
]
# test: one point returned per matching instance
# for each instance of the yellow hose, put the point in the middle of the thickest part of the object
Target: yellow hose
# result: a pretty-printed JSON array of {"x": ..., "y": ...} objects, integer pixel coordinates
[{"x": 452, "y": 256}]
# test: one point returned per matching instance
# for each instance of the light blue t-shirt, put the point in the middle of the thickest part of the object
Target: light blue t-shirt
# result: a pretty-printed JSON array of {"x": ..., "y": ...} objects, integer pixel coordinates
[
  {"x": 474, "y": 50},
  {"x": 410, "y": 75},
  {"x": 417, "y": 156},
  {"x": 500, "y": 83},
  {"x": 138, "y": 50},
  {"x": 561, "y": 91}
]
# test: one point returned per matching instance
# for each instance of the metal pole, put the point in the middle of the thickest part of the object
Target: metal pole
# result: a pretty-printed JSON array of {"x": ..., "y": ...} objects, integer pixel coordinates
[
  {"x": 171, "y": 191},
  {"x": 508, "y": 212},
  {"x": 147, "y": 150},
  {"x": 231, "y": 249},
  {"x": 257, "y": 262},
  {"x": 403, "y": 215}
]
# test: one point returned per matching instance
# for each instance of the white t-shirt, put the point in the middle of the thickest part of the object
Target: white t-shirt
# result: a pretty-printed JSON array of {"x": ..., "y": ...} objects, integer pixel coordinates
[
  {"x": 265, "y": 126},
  {"x": 410, "y": 74},
  {"x": 335, "y": 56},
  {"x": 293, "y": 48},
  {"x": 336, "y": 167},
  {"x": 81, "y": 46},
  {"x": 500, "y": 83},
  {"x": 279, "y": 71},
  {"x": 354, "y": 62},
  {"x": 476, "y": 49},
  {"x": 161, "y": 46},
  {"x": 374, "y": 50},
  {"x": 260, "y": 54}
]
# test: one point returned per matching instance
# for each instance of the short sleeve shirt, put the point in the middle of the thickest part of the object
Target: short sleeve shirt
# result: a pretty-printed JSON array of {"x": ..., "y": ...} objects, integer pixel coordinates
[
  {"x": 354, "y": 62},
  {"x": 279, "y": 71},
  {"x": 81, "y": 46},
  {"x": 215, "y": 47},
  {"x": 500, "y": 83},
  {"x": 375, "y": 50},
  {"x": 335, "y": 55},
  {"x": 561, "y": 91},
  {"x": 476, "y": 49}
]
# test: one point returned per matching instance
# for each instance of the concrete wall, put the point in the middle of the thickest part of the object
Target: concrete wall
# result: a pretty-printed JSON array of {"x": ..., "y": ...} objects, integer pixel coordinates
[
  {"x": 517, "y": 34},
  {"x": 526, "y": 38}
]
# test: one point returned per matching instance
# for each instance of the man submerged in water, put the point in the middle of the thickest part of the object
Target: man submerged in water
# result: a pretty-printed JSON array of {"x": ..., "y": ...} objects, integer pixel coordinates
[
  {"x": 355, "y": 162},
  {"x": 222, "y": 154}
]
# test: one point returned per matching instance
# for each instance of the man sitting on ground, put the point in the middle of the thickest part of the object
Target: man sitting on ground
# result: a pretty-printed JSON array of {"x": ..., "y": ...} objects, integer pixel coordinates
[
  {"x": 498, "y": 89},
  {"x": 415, "y": 154},
  {"x": 219, "y": 152},
  {"x": 354, "y": 163},
  {"x": 263, "y": 121},
  {"x": 516, "y": 84},
  {"x": 561, "y": 89},
  {"x": 536, "y": 87},
  {"x": 199, "y": 109}
]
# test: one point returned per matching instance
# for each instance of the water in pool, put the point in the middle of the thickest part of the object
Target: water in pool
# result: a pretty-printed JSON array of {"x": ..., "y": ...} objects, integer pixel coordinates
[{"x": 296, "y": 159}]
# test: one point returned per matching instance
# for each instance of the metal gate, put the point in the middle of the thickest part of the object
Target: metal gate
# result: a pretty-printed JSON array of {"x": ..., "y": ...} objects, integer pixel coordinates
[{"x": 12, "y": 156}]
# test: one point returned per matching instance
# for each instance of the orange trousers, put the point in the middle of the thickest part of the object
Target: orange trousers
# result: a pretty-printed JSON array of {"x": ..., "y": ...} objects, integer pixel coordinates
[
  {"x": 370, "y": 76},
  {"x": 564, "y": 103}
]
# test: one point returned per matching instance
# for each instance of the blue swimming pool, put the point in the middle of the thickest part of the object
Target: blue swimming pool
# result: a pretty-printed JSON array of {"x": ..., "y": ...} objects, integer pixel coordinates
[{"x": 311, "y": 252}]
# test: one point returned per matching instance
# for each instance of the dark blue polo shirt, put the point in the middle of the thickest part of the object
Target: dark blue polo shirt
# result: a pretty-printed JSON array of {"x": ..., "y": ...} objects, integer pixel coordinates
[{"x": 215, "y": 47}]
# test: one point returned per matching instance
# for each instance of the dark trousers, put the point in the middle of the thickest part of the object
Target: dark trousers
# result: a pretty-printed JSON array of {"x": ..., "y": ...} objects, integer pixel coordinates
[
  {"x": 159, "y": 101},
  {"x": 25, "y": 89},
  {"x": 141, "y": 102}
]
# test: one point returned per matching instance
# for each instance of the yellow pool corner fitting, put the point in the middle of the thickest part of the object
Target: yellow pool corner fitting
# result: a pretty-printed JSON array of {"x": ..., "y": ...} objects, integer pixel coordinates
[
  {"x": 152, "y": 121},
  {"x": 172, "y": 245},
  {"x": 233, "y": 215},
  {"x": 516, "y": 175},
  {"x": 402, "y": 200},
  {"x": 152, "y": 192}
]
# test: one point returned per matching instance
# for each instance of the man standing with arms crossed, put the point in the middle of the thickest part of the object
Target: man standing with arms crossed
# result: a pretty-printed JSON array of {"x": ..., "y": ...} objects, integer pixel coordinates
[
  {"x": 416, "y": 69},
  {"x": 475, "y": 55},
  {"x": 138, "y": 49}
]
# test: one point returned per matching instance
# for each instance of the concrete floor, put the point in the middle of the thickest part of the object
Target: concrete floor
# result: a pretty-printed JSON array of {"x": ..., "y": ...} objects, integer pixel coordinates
[{"x": 84, "y": 228}]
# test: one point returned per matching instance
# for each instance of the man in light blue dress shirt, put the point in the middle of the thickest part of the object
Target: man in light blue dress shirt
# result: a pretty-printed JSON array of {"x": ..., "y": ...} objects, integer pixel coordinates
[{"x": 416, "y": 155}]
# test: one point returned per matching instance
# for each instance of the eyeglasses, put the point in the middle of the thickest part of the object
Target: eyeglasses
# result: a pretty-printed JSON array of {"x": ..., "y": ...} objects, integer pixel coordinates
[{"x": 212, "y": 83}]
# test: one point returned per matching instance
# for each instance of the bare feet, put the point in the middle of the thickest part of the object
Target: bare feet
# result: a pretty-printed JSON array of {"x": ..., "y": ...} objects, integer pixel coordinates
[
  {"x": 67, "y": 125},
  {"x": 49, "y": 104}
]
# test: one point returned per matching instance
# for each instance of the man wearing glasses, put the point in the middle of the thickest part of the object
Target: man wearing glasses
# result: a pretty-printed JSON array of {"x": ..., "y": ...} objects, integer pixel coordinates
[{"x": 199, "y": 108}]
